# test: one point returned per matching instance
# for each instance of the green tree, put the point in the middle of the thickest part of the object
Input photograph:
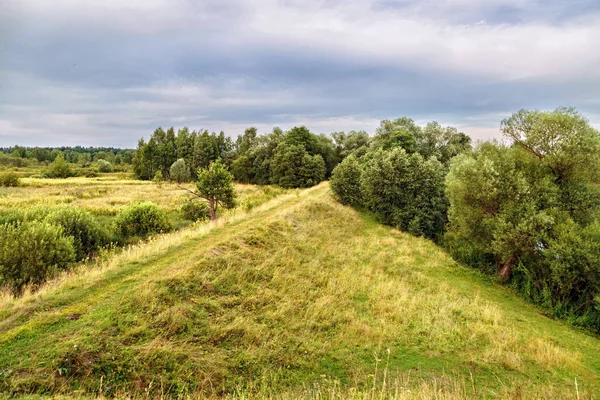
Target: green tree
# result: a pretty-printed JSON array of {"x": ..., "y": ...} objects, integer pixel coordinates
[
  {"x": 180, "y": 172},
  {"x": 59, "y": 169},
  {"x": 104, "y": 166},
  {"x": 215, "y": 185},
  {"x": 528, "y": 210},
  {"x": 293, "y": 167},
  {"x": 405, "y": 191},
  {"x": 345, "y": 182},
  {"x": 401, "y": 132}
]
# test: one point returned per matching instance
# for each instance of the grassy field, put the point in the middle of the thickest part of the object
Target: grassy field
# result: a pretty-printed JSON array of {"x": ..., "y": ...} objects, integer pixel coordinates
[
  {"x": 299, "y": 297},
  {"x": 107, "y": 195}
]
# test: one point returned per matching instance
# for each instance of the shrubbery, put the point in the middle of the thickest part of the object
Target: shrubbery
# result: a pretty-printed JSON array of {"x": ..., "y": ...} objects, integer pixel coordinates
[
  {"x": 195, "y": 210},
  {"x": 400, "y": 189},
  {"x": 59, "y": 169},
  {"x": 104, "y": 166},
  {"x": 142, "y": 219},
  {"x": 31, "y": 252},
  {"x": 9, "y": 179},
  {"x": 88, "y": 235},
  {"x": 345, "y": 182}
]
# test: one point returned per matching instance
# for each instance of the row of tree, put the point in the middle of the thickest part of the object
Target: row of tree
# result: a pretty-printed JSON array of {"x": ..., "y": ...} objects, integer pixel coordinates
[
  {"x": 296, "y": 158},
  {"x": 75, "y": 155},
  {"x": 526, "y": 210}
]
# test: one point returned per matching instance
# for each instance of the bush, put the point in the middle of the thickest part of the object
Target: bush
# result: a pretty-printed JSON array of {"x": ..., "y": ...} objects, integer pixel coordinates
[
  {"x": 9, "y": 179},
  {"x": 31, "y": 252},
  {"x": 404, "y": 191},
  {"x": 345, "y": 182},
  {"x": 88, "y": 235},
  {"x": 179, "y": 171},
  {"x": 59, "y": 169},
  {"x": 104, "y": 166},
  {"x": 195, "y": 210},
  {"x": 158, "y": 177},
  {"x": 142, "y": 219}
]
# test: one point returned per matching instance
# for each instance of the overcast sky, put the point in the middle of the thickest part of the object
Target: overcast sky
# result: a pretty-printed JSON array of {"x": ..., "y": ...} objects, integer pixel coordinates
[{"x": 107, "y": 72}]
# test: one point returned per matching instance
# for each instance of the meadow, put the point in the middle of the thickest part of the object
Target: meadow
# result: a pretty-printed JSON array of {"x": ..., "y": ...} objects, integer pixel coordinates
[{"x": 300, "y": 297}]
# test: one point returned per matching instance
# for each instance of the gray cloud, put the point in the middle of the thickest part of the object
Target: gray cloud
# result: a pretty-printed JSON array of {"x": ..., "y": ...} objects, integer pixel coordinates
[{"x": 106, "y": 73}]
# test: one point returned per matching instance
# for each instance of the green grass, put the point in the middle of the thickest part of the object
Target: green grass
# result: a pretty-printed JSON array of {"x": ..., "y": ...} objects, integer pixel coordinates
[{"x": 298, "y": 298}]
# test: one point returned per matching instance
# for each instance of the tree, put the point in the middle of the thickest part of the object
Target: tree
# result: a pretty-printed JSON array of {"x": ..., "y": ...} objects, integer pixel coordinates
[
  {"x": 401, "y": 132},
  {"x": 59, "y": 169},
  {"x": 293, "y": 167},
  {"x": 443, "y": 143},
  {"x": 405, "y": 191},
  {"x": 345, "y": 182},
  {"x": 215, "y": 185},
  {"x": 104, "y": 166},
  {"x": 179, "y": 171},
  {"x": 528, "y": 210},
  {"x": 351, "y": 143}
]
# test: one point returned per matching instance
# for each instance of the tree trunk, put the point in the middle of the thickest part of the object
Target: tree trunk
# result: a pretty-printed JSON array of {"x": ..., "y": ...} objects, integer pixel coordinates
[
  {"x": 212, "y": 209},
  {"x": 506, "y": 270}
]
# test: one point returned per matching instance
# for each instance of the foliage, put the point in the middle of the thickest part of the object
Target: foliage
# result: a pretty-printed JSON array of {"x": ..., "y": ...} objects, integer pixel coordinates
[
  {"x": 345, "y": 182},
  {"x": 158, "y": 177},
  {"x": 405, "y": 191},
  {"x": 399, "y": 177},
  {"x": 528, "y": 210},
  {"x": 198, "y": 149},
  {"x": 88, "y": 235},
  {"x": 179, "y": 171},
  {"x": 30, "y": 252},
  {"x": 59, "y": 169},
  {"x": 9, "y": 179},
  {"x": 104, "y": 166},
  {"x": 215, "y": 185},
  {"x": 433, "y": 140},
  {"x": 142, "y": 219},
  {"x": 293, "y": 166},
  {"x": 353, "y": 142},
  {"x": 195, "y": 210}
]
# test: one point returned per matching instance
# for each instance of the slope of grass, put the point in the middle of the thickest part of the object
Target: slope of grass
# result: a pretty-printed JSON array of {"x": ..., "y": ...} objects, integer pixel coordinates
[{"x": 302, "y": 297}]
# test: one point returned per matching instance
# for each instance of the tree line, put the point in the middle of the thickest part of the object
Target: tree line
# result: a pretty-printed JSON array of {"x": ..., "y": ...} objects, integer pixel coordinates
[
  {"x": 75, "y": 155},
  {"x": 296, "y": 158},
  {"x": 525, "y": 210}
]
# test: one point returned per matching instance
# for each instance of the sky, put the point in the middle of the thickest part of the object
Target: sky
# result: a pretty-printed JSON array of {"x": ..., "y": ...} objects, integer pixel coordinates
[{"x": 107, "y": 72}]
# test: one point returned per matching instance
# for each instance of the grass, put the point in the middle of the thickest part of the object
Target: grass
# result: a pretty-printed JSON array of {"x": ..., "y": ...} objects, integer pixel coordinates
[
  {"x": 108, "y": 194},
  {"x": 299, "y": 297}
]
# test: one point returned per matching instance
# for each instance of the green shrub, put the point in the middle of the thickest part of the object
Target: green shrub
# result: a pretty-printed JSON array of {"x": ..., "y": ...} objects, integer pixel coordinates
[
  {"x": 88, "y": 235},
  {"x": 104, "y": 166},
  {"x": 9, "y": 179},
  {"x": 345, "y": 182},
  {"x": 180, "y": 172},
  {"x": 195, "y": 210},
  {"x": 59, "y": 169},
  {"x": 31, "y": 252},
  {"x": 158, "y": 177},
  {"x": 142, "y": 219}
]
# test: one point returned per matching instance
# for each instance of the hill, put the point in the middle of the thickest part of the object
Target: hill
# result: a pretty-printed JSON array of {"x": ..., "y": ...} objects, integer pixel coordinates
[{"x": 300, "y": 297}]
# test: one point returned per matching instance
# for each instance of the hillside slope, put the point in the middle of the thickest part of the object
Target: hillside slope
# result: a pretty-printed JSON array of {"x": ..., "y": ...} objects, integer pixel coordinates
[{"x": 302, "y": 297}]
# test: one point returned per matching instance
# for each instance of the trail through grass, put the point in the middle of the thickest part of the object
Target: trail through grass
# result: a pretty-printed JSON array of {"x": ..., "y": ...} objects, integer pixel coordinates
[{"x": 301, "y": 297}]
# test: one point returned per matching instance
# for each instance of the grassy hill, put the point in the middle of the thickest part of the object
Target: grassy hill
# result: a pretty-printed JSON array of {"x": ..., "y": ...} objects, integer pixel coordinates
[{"x": 300, "y": 297}]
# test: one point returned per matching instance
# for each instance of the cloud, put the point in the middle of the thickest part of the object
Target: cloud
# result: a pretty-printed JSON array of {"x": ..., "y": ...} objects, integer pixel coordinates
[{"x": 108, "y": 72}]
